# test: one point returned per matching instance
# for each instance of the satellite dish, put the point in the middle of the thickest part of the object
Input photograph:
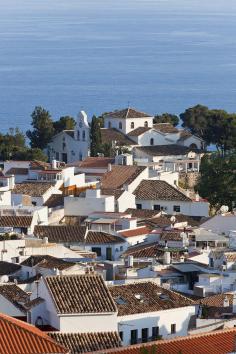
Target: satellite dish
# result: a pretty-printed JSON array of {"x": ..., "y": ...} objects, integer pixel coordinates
[{"x": 173, "y": 219}]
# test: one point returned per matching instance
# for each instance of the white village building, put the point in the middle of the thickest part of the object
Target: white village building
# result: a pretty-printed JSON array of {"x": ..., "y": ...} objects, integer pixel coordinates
[{"x": 122, "y": 128}]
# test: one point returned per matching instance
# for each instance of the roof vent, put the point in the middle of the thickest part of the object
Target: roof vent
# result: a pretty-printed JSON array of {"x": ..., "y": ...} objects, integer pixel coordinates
[
  {"x": 164, "y": 297},
  {"x": 139, "y": 297},
  {"x": 120, "y": 301}
]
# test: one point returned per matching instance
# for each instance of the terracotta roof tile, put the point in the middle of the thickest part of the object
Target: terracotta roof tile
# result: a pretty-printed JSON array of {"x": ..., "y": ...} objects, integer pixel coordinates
[
  {"x": 164, "y": 150},
  {"x": 15, "y": 221},
  {"x": 158, "y": 190},
  {"x": 119, "y": 176},
  {"x": 17, "y": 171},
  {"x": 142, "y": 213},
  {"x": 15, "y": 295},
  {"x": 87, "y": 342},
  {"x": 146, "y": 297},
  {"x": 7, "y": 268},
  {"x": 34, "y": 189},
  {"x": 80, "y": 294},
  {"x": 96, "y": 162},
  {"x": 217, "y": 342},
  {"x": 60, "y": 233},
  {"x": 18, "y": 337},
  {"x": 112, "y": 134},
  {"x": 135, "y": 232},
  {"x": 165, "y": 128},
  {"x": 54, "y": 201},
  {"x": 127, "y": 113},
  {"x": 115, "y": 192},
  {"x": 171, "y": 236},
  {"x": 46, "y": 261},
  {"x": 138, "y": 131}
]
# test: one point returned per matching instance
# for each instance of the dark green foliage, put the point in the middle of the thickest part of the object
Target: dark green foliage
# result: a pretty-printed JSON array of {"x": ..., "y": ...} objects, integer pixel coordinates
[
  {"x": 28, "y": 154},
  {"x": 217, "y": 180},
  {"x": 64, "y": 123},
  {"x": 10, "y": 143},
  {"x": 167, "y": 118},
  {"x": 43, "y": 129},
  {"x": 95, "y": 137},
  {"x": 215, "y": 126}
]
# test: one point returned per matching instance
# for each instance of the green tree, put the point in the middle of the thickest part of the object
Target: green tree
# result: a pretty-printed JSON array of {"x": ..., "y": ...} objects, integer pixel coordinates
[
  {"x": 11, "y": 142},
  {"x": 29, "y": 154},
  {"x": 196, "y": 119},
  {"x": 167, "y": 118},
  {"x": 64, "y": 123},
  {"x": 95, "y": 137},
  {"x": 43, "y": 129},
  {"x": 217, "y": 181}
]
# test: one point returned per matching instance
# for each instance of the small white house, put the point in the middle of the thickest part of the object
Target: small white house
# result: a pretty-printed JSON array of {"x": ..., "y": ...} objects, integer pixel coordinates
[
  {"x": 161, "y": 196},
  {"x": 75, "y": 303},
  {"x": 147, "y": 311}
]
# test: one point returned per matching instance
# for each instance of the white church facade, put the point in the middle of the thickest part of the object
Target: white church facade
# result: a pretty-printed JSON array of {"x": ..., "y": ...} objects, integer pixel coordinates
[
  {"x": 127, "y": 127},
  {"x": 71, "y": 145}
]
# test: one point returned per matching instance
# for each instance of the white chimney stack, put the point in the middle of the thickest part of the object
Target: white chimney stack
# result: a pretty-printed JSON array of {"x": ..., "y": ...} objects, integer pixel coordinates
[
  {"x": 109, "y": 167},
  {"x": 54, "y": 164},
  {"x": 234, "y": 302}
]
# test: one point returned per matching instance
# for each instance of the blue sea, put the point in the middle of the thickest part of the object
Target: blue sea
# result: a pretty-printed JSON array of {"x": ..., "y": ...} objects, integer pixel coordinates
[{"x": 99, "y": 55}]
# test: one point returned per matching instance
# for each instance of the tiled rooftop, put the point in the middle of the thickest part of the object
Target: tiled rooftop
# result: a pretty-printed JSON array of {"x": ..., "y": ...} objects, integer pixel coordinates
[
  {"x": 54, "y": 201},
  {"x": 138, "y": 131},
  {"x": 158, "y": 190},
  {"x": 96, "y": 162},
  {"x": 146, "y": 297},
  {"x": 14, "y": 294},
  {"x": 142, "y": 213},
  {"x": 46, "y": 261},
  {"x": 17, "y": 171},
  {"x": 8, "y": 268},
  {"x": 135, "y": 232},
  {"x": 18, "y": 337},
  {"x": 112, "y": 134},
  {"x": 164, "y": 150},
  {"x": 34, "y": 189},
  {"x": 165, "y": 128},
  {"x": 87, "y": 342},
  {"x": 61, "y": 233},
  {"x": 127, "y": 113},
  {"x": 119, "y": 176},
  {"x": 217, "y": 342},
  {"x": 15, "y": 220},
  {"x": 58, "y": 234},
  {"x": 80, "y": 294},
  {"x": 171, "y": 236}
]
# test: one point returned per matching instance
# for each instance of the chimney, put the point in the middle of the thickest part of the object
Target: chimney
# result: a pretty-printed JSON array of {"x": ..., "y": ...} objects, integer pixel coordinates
[
  {"x": 54, "y": 164},
  {"x": 109, "y": 167},
  {"x": 197, "y": 197},
  {"x": 226, "y": 302},
  {"x": 234, "y": 302}
]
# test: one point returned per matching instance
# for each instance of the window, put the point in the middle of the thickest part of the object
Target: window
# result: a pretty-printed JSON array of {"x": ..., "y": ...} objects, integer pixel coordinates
[
  {"x": 120, "y": 125},
  {"x": 176, "y": 208},
  {"x": 34, "y": 203},
  {"x": 156, "y": 207},
  {"x": 132, "y": 125},
  {"x": 83, "y": 135},
  {"x": 80, "y": 156},
  {"x": 121, "y": 248},
  {"x": 109, "y": 124},
  {"x": 78, "y": 135},
  {"x": 155, "y": 333},
  {"x": 146, "y": 124},
  {"x": 97, "y": 250},
  {"x": 211, "y": 262},
  {"x": 173, "y": 328},
  {"x": 144, "y": 335},
  {"x": 133, "y": 336},
  {"x": 151, "y": 141},
  {"x": 121, "y": 336},
  {"x": 57, "y": 155},
  {"x": 139, "y": 206}
]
